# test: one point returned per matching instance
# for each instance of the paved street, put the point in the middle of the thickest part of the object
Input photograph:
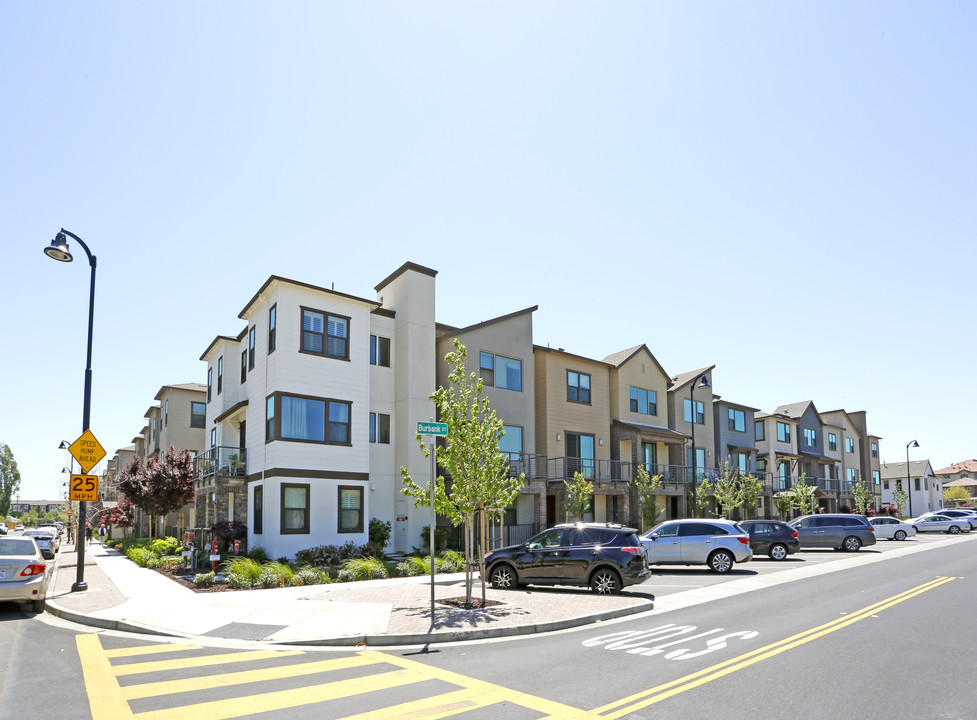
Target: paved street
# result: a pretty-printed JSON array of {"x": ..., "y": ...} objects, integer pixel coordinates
[{"x": 888, "y": 635}]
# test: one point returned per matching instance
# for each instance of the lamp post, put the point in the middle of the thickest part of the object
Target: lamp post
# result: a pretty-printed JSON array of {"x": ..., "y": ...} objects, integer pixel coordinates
[
  {"x": 703, "y": 383},
  {"x": 58, "y": 249},
  {"x": 909, "y": 488}
]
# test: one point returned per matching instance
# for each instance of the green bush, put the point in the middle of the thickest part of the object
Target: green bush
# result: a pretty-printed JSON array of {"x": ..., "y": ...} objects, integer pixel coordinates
[
  {"x": 258, "y": 554},
  {"x": 204, "y": 580},
  {"x": 275, "y": 574},
  {"x": 380, "y": 531},
  {"x": 138, "y": 555},
  {"x": 242, "y": 572},
  {"x": 451, "y": 561},
  {"x": 164, "y": 546},
  {"x": 363, "y": 569},
  {"x": 413, "y": 565},
  {"x": 313, "y": 576}
]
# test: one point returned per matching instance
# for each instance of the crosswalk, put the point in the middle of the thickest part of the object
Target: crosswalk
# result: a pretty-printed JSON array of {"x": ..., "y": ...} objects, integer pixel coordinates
[{"x": 182, "y": 681}]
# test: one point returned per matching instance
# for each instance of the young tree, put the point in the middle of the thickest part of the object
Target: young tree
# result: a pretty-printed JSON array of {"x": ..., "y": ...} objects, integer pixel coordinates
[
  {"x": 645, "y": 490},
  {"x": 727, "y": 491},
  {"x": 168, "y": 482},
  {"x": 702, "y": 492},
  {"x": 864, "y": 499},
  {"x": 9, "y": 479},
  {"x": 785, "y": 501},
  {"x": 805, "y": 498},
  {"x": 899, "y": 498},
  {"x": 578, "y": 495},
  {"x": 952, "y": 495},
  {"x": 751, "y": 487},
  {"x": 479, "y": 471}
]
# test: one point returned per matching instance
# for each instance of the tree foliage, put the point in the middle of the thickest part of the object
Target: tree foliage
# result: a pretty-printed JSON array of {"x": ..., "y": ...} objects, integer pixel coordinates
[
  {"x": 805, "y": 496},
  {"x": 955, "y": 494},
  {"x": 751, "y": 487},
  {"x": 161, "y": 485},
  {"x": 727, "y": 491},
  {"x": 701, "y": 498},
  {"x": 864, "y": 499},
  {"x": 479, "y": 471},
  {"x": 9, "y": 479},
  {"x": 785, "y": 502},
  {"x": 900, "y": 497},
  {"x": 644, "y": 489},
  {"x": 578, "y": 493}
]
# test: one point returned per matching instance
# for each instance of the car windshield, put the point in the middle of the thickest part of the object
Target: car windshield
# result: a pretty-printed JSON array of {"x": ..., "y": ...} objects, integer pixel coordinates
[
  {"x": 38, "y": 533},
  {"x": 16, "y": 546}
]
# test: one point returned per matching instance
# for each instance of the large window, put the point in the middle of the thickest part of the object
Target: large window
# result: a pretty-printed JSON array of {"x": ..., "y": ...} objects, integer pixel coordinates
[
  {"x": 500, "y": 371},
  {"x": 272, "y": 328},
  {"x": 257, "y": 522},
  {"x": 783, "y": 432},
  {"x": 875, "y": 449},
  {"x": 700, "y": 460},
  {"x": 832, "y": 441},
  {"x": 580, "y": 454},
  {"x": 251, "y": 348},
  {"x": 295, "y": 509},
  {"x": 350, "y": 509},
  {"x": 810, "y": 438},
  {"x": 578, "y": 387},
  {"x": 739, "y": 462},
  {"x": 210, "y": 382},
  {"x": 644, "y": 402},
  {"x": 852, "y": 476},
  {"x": 379, "y": 351},
  {"x": 244, "y": 366},
  {"x": 511, "y": 442},
  {"x": 198, "y": 414},
  {"x": 220, "y": 374},
  {"x": 700, "y": 412},
  {"x": 759, "y": 430},
  {"x": 876, "y": 477},
  {"x": 324, "y": 334},
  {"x": 379, "y": 428},
  {"x": 849, "y": 445},
  {"x": 649, "y": 457},
  {"x": 307, "y": 419},
  {"x": 737, "y": 420}
]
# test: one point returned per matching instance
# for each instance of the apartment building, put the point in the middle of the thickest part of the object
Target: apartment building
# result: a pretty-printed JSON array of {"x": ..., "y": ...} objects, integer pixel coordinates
[
  {"x": 923, "y": 487},
  {"x": 321, "y": 414},
  {"x": 961, "y": 474}
]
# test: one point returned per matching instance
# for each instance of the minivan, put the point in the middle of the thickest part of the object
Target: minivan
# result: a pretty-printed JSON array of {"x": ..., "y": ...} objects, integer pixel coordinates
[{"x": 840, "y": 531}]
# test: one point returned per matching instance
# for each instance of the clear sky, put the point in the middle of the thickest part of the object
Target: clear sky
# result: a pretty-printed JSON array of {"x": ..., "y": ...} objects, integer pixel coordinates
[{"x": 784, "y": 190}]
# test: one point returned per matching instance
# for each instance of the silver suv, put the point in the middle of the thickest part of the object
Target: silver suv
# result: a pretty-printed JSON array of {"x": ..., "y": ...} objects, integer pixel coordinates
[
  {"x": 716, "y": 543},
  {"x": 840, "y": 531}
]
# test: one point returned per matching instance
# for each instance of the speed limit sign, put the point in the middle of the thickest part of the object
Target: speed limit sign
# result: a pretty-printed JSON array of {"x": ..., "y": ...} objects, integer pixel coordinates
[{"x": 83, "y": 487}]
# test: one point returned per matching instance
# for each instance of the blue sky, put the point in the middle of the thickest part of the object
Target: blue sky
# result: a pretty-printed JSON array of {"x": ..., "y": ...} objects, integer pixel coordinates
[{"x": 784, "y": 190}]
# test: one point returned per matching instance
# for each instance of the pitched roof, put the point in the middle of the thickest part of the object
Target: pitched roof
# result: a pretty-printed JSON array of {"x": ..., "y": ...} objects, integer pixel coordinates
[
  {"x": 443, "y": 329},
  {"x": 965, "y": 466},
  {"x": 897, "y": 470},
  {"x": 619, "y": 358},
  {"x": 796, "y": 409},
  {"x": 195, "y": 387},
  {"x": 687, "y": 377}
]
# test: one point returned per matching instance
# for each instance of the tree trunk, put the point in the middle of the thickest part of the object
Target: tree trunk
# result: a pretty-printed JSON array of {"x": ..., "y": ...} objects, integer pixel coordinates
[
  {"x": 468, "y": 562},
  {"x": 481, "y": 553}
]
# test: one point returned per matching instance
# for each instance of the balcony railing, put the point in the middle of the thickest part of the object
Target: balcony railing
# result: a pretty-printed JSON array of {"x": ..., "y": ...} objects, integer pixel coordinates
[
  {"x": 222, "y": 460},
  {"x": 564, "y": 468},
  {"x": 533, "y": 466}
]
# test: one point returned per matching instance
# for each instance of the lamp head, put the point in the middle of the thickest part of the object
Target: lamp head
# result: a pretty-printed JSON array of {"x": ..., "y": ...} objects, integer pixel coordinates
[
  {"x": 58, "y": 249},
  {"x": 913, "y": 444},
  {"x": 704, "y": 382}
]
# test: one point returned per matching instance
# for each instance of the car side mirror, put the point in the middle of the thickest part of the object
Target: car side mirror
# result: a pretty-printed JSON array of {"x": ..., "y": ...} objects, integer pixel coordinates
[{"x": 653, "y": 536}]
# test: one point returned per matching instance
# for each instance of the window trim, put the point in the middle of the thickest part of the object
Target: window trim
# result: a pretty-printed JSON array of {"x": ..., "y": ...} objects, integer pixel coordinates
[
  {"x": 379, "y": 350},
  {"x": 251, "y": 342},
  {"x": 258, "y": 509},
  {"x": 786, "y": 433},
  {"x": 759, "y": 430},
  {"x": 694, "y": 412},
  {"x": 733, "y": 415},
  {"x": 489, "y": 375},
  {"x": 578, "y": 387},
  {"x": 339, "y": 508},
  {"x": 325, "y": 333},
  {"x": 272, "y": 328},
  {"x": 210, "y": 383},
  {"x": 308, "y": 501},
  {"x": 634, "y": 401},
  {"x": 276, "y": 431},
  {"x": 202, "y": 416},
  {"x": 220, "y": 374},
  {"x": 377, "y": 429},
  {"x": 244, "y": 366}
]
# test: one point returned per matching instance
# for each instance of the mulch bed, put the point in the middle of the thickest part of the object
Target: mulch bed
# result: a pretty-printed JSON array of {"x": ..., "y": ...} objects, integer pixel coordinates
[
  {"x": 476, "y": 604},
  {"x": 184, "y": 576}
]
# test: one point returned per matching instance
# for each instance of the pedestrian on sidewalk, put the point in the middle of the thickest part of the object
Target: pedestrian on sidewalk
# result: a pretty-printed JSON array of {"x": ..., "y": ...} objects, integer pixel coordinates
[
  {"x": 88, "y": 534},
  {"x": 101, "y": 533}
]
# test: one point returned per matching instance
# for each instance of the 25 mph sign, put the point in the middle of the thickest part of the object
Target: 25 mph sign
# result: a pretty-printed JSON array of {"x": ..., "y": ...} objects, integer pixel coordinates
[{"x": 83, "y": 487}]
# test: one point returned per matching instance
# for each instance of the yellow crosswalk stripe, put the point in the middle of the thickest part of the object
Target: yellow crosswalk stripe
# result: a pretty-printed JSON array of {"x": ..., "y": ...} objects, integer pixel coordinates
[
  {"x": 202, "y": 661},
  {"x": 104, "y": 694},
  {"x": 284, "y": 699},
  {"x": 439, "y": 706},
  {"x": 150, "y": 650},
  {"x": 169, "y": 687}
]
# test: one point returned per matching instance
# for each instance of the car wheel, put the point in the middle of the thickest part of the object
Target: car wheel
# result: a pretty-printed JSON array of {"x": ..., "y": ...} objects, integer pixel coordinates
[
  {"x": 778, "y": 552},
  {"x": 900, "y": 534},
  {"x": 37, "y": 605},
  {"x": 720, "y": 562},
  {"x": 605, "y": 582},
  {"x": 954, "y": 530},
  {"x": 504, "y": 578},
  {"x": 852, "y": 544}
]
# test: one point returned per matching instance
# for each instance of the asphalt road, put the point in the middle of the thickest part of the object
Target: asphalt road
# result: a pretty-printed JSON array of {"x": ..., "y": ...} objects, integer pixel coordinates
[{"x": 887, "y": 639}]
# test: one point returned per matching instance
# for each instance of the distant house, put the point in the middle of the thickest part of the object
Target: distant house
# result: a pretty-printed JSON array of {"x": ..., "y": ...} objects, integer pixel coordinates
[{"x": 961, "y": 474}]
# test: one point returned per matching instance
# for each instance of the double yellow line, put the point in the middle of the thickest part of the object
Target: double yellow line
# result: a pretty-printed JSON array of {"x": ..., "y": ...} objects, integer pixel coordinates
[{"x": 635, "y": 702}]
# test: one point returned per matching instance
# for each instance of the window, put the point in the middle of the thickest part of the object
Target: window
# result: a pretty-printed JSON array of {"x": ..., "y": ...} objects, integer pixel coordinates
[
  {"x": 259, "y": 506},
  {"x": 649, "y": 456},
  {"x": 500, "y": 371},
  {"x": 739, "y": 462},
  {"x": 644, "y": 402},
  {"x": 272, "y": 328},
  {"x": 700, "y": 460},
  {"x": 758, "y": 430},
  {"x": 198, "y": 414},
  {"x": 761, "y": 466},
  {"x": 580, "y": 455},
  {"x": 220, "y": 374},
  {"x": 307, "y": 419},
  {"x": 916, "y": 482},
  {"x": 295, "y": 509},
  {"x": 166, "y": 412},
  {"x": 849, "y": 445},
  {"x": 379, "y": 351},
  {"x": 885, "y": 485},
  {"x": 783, "y": 432},
  {"x": 350, "y": 509},
  {"x": 810, "y": 438},
  {"x": 700, "y": 412},
  {"x": 578, "y": 387},
  {"x": 210, "y": 382},
  {"x": 244, "y": 366},
  {"x": 213, "y": 437},
  {"x": 511, "y": 442},
  {"x": 737, "y": 420},
  {"x": 324, "y": 334},
  {"x": 251, "y": 348},
  {"x": 875, "y": 449},
  {"x": 852, "y": 476},
  {"x": 832, "y": 441},
  {"x": 876, "y": 477},
  {"x": 379, "y": 428}
]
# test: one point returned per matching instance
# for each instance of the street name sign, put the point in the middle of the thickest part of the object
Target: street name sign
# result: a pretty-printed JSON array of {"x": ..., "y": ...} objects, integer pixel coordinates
[
  {"x": 86, "y": 451},
  {"x": 83, "y": 487},
  {"x": 432, "y": 428}
]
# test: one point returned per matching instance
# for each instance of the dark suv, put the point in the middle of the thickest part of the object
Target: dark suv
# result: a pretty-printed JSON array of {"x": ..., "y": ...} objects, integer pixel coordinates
[
  {"x": 834, "y": 530},
  {"x": 606, "y": 557}
]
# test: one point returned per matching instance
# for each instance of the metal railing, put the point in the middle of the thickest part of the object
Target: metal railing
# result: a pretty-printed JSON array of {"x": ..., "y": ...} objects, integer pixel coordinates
[
  {"x": 564, "y": 468},
  {"x": 221, "y": 460},
  {"x": 532, "y": 465}
]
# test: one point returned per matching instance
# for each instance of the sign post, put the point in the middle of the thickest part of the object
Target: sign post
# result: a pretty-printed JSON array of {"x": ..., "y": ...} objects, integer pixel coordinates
[
  {"x": 87, "y": 451},
  {"x": 434, "y": 429}
]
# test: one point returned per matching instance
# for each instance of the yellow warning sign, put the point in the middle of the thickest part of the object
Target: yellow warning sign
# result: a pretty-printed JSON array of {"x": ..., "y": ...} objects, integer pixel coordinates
[
  {"x": 86, "y": 451},
  {"x": 83, "y": 487}
]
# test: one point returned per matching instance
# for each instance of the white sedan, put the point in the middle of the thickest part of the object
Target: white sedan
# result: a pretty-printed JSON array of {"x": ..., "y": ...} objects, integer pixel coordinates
[
  {"x": 890, "y": 528},
  {"x": 941, "y": 523}
]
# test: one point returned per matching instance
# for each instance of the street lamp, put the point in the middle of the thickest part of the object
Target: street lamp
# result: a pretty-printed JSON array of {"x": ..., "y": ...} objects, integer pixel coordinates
[
  {"x": 703, "y": 383},
  {"x": 58, "y": 249},
  {"x": 909, "y": 488}
]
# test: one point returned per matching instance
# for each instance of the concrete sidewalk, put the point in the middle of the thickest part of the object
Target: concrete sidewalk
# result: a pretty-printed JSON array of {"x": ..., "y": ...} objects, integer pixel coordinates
[{"x": 123, "y": 596}]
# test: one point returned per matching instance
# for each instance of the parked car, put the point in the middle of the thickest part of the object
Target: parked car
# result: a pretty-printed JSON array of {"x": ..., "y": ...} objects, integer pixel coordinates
[
  {"x": 840, "y": 531},
  {"x": 23, "y": 572},
  {"x": 890, "y": 528},
  {"x": 3, "y": 528},
  {"x": 605, "y": 557},
  {"x": 958, "y": 513},
  {"x": 55, "y": 532},
  {"x": 716, "y": 543},
  {"x": 19, "y": 528},
  {"x": 771, "y": 537},
  {"x": 45, "y": 541},
  {"x": 941, "y": 523}
]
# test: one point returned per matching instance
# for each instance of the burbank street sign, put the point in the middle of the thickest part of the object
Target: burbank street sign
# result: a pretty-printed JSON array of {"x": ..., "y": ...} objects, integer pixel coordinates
[{"x": 432, "y": 428}]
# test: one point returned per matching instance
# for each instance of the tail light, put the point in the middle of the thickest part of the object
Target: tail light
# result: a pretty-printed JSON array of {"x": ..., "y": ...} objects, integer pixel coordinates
[
  {"x": 745, "y": 539},
  {"x": 872, "y": 528},
  {"x": 33, "y": 570},
  {"x": 793, "y": 535},
  {"x": 633, "y": 550}
]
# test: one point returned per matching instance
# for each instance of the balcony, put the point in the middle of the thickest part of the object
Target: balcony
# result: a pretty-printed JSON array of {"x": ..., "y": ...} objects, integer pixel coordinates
[
  {"x": 221, "y": 461},
  {"x": 563, "y": 468},
  {"x": 532, "y": 465}
]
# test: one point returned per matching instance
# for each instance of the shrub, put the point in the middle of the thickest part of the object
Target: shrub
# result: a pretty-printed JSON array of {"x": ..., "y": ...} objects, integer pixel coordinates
[
  {"x": 372, "y": 549},
  {"x": 363, "y": 569},
  {"x": 452, "y": 561},
  {"x": 313, "y": 576},
  {"x": 844, "y": 509},
  {"x": 277, "y": 574},
  {"x": 204, "y": 580},
  {"x": 440, "y": 538},
  {"x": 227, "y": 532},
  {"x": 164, "y": 546},
  {"x": 380, "y": 531},
  {"x": 413, "y": 565},
  {"x": 138, "y": 555},
  {"x": 242, "y": 572},
  {"x": 258, "y": 554}
]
